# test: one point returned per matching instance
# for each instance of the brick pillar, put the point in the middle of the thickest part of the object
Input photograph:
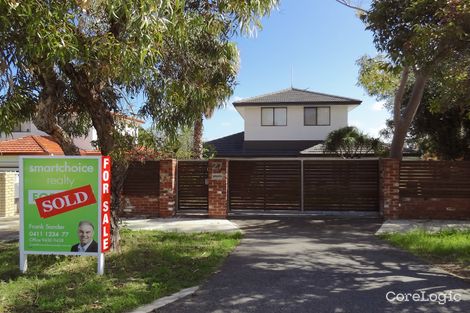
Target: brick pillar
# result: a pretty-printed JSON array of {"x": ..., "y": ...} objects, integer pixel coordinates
[
  {"x": 218, "y": 188},
  {"x": 7, "y": 194},
  {"x": 167, "y": 200},
  {"x": 389, "y": 188}
]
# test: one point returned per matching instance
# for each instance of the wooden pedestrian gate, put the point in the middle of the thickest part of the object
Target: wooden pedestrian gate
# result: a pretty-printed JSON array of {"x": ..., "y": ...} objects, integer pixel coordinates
[
  {"x": 309, "y": 185},
  {"x": 192, "y": 185}
]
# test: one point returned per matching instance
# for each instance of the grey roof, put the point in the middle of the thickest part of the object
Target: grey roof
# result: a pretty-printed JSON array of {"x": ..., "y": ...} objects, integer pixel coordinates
[
  {"x": 296, "y": 96},
  {"x": 229, "y": 145},
  {"x": 235, "y": 146},
  {"x": 320, "y": 149}
]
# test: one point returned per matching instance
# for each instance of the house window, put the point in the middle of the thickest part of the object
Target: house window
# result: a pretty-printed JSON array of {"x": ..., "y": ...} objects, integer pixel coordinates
[
  {"x": 273, "y": 116},
  {"x": 318, "y": 116}
]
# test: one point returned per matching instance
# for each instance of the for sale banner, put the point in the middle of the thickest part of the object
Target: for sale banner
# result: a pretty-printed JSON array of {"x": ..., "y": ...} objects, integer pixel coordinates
[{"x": 61, "y": 210}]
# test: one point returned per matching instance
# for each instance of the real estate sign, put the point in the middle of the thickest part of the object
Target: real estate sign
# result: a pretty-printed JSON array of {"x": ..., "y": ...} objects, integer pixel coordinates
[{"x": 65, "y": 203}]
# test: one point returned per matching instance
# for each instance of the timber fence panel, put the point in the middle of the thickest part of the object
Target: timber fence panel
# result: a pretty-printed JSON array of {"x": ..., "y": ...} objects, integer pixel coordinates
[{"x": 192, "y": 185}]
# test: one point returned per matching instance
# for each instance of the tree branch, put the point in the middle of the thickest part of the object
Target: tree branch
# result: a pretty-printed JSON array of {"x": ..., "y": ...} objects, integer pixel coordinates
[
  {"x": 349, "y": 5},
  {"x": 45, "y": 117},
  {"x": 397, "y": 103}
]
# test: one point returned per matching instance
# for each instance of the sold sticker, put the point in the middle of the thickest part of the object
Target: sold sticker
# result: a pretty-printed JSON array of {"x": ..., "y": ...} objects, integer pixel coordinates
[{"x": 65, "y": 201}]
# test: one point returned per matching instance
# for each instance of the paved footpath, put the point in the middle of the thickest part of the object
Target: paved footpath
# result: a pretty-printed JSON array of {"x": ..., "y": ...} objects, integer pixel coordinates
[{"x": 314, "y": 265}]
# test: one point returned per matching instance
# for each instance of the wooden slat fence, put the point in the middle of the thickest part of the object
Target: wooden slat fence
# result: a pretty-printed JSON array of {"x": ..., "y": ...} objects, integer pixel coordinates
[
  {"x": 341, "y": 185},
  {"x": 192, "y": 185},
  {"x": 265, "y": 185},
  {"x": 435, "y": 179},
  {"x": 142, "y": 179}
]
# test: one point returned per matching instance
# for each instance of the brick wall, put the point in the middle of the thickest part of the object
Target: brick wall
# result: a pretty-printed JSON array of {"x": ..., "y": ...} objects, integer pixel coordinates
[
  {"x": 7, "y": 194},
  {"x": 218, "y": 188},
  {"x": 141, "y": 189},
  {"x": 434, "y": 208},
  {"x": 389, "y": 188},
  {"x": 167, "y": 199},
  {"x": 394, "y": 206},
  {"x": 137, "y": 206}
]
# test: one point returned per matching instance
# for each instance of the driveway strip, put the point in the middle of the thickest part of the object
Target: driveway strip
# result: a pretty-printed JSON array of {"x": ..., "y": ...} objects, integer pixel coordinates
[{"x": 323, "y": 265}]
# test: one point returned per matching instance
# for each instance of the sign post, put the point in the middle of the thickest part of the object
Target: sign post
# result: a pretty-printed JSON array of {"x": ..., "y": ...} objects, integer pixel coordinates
[{"x": 65, "y": 207}]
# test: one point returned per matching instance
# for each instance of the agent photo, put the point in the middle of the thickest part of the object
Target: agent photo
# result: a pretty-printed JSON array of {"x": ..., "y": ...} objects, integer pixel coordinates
[{"x": 85, "y": 234}]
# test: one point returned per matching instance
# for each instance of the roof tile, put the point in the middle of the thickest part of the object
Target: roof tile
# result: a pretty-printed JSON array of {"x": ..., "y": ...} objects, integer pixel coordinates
[
  {"x": 296, "y": 96},
  {"x": 36, "y": 145}
]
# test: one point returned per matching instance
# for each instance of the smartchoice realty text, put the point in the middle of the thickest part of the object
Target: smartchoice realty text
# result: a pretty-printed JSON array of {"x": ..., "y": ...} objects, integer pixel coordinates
[{"x": 61, "y": 168}]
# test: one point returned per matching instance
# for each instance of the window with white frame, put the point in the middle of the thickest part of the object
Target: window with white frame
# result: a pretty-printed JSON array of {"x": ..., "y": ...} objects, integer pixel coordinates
[
  {"x": 317, "y": 116},
  {"x": 274, "y": 116}
]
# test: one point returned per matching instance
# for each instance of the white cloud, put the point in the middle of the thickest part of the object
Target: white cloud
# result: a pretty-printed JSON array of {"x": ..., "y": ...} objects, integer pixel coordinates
[
  {"x": 355, "y": 123},
  {"x": 374, "y": 131},
  {"x": 378, "y": 106}
]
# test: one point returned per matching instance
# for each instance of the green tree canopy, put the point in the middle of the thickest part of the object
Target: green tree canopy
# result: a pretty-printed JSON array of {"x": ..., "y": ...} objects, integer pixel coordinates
[
  {"x": 441, "y": 127},
  {"x": 416, "y": 37},
  {"x": 83, "y": 62}
]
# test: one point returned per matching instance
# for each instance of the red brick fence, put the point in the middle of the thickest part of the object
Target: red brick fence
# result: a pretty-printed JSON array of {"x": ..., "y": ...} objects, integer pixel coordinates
[
  {"x": 406, "y": 189},
  {"x": 425, "y": 189}
]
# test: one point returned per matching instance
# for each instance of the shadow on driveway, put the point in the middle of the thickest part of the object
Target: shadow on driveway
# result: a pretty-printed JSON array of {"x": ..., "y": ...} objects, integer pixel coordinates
[{"x": 321, "y": 265}]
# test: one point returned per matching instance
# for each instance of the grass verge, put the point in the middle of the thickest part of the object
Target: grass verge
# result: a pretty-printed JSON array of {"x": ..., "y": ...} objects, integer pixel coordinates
[
  {"x": 449, "y": 249},
  {"x": 151, "y": 265}
]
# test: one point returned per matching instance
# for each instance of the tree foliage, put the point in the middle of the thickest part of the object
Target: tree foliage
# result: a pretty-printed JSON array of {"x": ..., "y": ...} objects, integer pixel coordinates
[
  {"x": 349, "y": 142},
  {"x": 416, "y": 37},
  {"x": 440, "y": 127},
  {"x": 89, "y": 59}
]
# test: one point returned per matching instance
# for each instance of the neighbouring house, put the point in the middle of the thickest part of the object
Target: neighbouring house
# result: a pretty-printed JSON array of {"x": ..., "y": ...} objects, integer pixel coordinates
[
  {"x": 287, "y": 123},
  {"x": 28, "y": 128},
  {"x": 26, "y": 139}
]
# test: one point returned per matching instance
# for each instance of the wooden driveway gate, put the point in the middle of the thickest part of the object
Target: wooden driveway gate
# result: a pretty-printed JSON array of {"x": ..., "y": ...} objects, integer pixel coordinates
[
  {"x": 265, "y": 185},
  {"x": 325, "y": 184},
  {"x": 351, "y": 185},
  {"x": 192, "y": 185}
]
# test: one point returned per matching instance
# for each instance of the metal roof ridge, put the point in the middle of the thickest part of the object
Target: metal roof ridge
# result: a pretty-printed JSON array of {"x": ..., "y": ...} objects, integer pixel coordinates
[
  {"x": 340, "y": 98},
  {"x": 327, "y": 94},
  {"x": 263, "y": 95}
]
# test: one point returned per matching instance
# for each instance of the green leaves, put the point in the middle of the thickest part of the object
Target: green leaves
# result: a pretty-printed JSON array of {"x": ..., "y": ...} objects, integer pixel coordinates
[
  {"x": 419, "y": 32},
  {"x": 176, "y": 53},
  {"x": 377, "y": 76},
  {"x": 349, "y": 142}
]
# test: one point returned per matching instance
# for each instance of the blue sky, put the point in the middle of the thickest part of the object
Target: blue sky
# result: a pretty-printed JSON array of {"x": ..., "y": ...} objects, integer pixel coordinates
[{"x": 321, "y": 41}]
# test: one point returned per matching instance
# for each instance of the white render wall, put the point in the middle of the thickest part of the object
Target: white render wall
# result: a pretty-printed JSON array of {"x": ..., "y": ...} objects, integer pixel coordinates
[{"x": 295, "y": 129}]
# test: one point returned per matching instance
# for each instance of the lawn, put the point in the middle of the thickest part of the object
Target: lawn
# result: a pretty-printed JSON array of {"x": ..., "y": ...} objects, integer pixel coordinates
[
  {"x": 151, "y": 265},
  {"x": 449, "y": 249}
]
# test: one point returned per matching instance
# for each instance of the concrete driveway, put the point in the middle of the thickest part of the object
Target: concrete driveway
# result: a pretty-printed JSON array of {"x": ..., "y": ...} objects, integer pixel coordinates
[{"x": 323, "y": 265}]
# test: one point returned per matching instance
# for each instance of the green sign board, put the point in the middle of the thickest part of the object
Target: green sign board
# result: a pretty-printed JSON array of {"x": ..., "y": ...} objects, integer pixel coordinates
[{"x": 60, "y": 205}]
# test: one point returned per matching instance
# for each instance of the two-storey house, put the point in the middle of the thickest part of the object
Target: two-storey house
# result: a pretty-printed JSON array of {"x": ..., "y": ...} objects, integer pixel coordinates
[{"x": 287, "y": 123}]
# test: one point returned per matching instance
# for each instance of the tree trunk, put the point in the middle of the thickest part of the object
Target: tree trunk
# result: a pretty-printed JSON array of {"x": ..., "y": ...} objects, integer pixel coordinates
[
  {"x": 45, "y": 118},
  {"x": 197, "y": 138},
  {"x": 402, "y": 122},
  {"x": 103, "y": 122},
  {"x": 118, "y": 174}
]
